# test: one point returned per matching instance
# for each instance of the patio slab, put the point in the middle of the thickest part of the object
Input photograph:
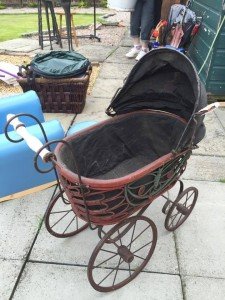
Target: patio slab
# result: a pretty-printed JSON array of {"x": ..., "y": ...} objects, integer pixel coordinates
[
  {"x": 106, "y": 88},
  {"x": 78, "y": 249},
  {"x": 19, "y": 222},
  {"x": 63, "y": 118},
  {"x": 220, "y": 113},
  {"x": 210, "y": 168},
  {"x": 115, "y": 70},
  {"x": 200, "y": 242},
  {"x": 119, "y": 57},
  {"x": 20, "y": 45},
  {"x": 91, "y": 116},
  {"x": 45, "y": 281},
  {"x": 96, "y": 105},
  {"x": 214, "y": 141},
  {"x": 9, "y": 272},
  {"x": 196, "y": 288},
  {"x": 96, "y": 53}
]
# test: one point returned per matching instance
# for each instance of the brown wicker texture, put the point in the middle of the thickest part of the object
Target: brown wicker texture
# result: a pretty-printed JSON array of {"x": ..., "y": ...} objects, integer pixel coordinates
[{"x": 66, "y": 95}]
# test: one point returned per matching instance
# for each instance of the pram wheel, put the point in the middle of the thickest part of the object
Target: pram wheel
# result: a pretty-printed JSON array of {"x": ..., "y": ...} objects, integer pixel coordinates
[
  {"x": 122, "y": 253},
  {"x": 181, "y": 208},
  {"x": 60, "y": 219},
  {"x": 168, "y": 204}
]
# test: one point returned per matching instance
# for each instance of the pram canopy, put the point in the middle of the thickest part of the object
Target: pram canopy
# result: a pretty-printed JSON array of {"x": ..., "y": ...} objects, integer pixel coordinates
[{"x": 166, "y": 80}]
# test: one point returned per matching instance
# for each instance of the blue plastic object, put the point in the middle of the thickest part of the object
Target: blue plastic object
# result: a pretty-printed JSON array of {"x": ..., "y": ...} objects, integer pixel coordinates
[
  {"x": 182, "y": 50},
  {"x": 80, "y": 126},
  {"x": 17, "y": 172},
  {"x": 22, "y": 103}
]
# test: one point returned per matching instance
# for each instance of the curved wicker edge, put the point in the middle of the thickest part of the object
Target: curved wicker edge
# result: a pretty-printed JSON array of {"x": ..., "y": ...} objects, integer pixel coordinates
[{"x": 61, "y": 80}]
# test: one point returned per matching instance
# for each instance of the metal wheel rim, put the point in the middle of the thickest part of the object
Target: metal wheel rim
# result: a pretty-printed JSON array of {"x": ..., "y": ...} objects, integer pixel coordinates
[
  {"x": 105, "y": 240},
  {"x": 50, "y": 229},
  {"x": 173, "y": 207},
  {"x": 168, "y": 204}
]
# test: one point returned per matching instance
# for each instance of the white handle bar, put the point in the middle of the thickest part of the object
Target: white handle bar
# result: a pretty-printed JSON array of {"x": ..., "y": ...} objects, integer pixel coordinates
[
  {"x": 33, "y": 143},
  {"x": 209, "y": 108}
]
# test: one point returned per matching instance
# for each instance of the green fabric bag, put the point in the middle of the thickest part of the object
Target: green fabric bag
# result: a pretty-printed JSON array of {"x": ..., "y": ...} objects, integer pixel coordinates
[{"x": 57, "y": 64}]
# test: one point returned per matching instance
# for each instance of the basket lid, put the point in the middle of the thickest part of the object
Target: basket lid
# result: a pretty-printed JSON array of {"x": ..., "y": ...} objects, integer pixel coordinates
[
  {"x": 164, "y": 79},
  {"x": 59, "y": 64}
]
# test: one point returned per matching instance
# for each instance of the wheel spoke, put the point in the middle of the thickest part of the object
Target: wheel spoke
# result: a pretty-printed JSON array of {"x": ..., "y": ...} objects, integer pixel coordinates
[
  {"x": 119, "y": 237},
  {"x": 106, "y": 260},
  {"x": 132, "y": 236},
  {"x": 139, "y": 235},
  {"x": 110, "y": 273},
  {"x": 108, "y": 251},
  {"x": 58, "y": 212},
  {"x": 190, "y": 195},
  {"x": 139, "y": 257},
  {"x": 143, "y": 247},
  {"x": 117, "y": 268},
  {"x": 60, "y": 219},
  {"x": 129, "y": 269},
  {"x": 179, "y": 218},
  {"x": 69, "y": 224}
]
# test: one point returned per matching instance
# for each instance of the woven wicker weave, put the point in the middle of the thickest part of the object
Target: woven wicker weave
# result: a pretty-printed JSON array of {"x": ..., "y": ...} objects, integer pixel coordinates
[{"x": 66, "y": 95}]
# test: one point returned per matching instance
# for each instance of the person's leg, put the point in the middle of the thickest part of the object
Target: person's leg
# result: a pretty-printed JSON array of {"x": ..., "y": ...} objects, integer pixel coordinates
[
  {"x": 135, "y": 29},
  {"x": 147, "y": 23},
  {"x": 147, "y": 20}
]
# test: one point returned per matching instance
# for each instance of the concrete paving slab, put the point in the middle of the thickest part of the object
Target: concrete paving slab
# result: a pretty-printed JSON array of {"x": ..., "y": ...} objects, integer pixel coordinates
[
  {"x": 96, "y": 105},
  {"x": 106, "y": 88},
  {"x": 196, "y": 288},
  {"x": 20, "y": 45},
  {"x": 209, "y": 168},
  {"x": 92, "y": 116},
  {"x": 44, "y": 281},
  {"x": 214, "y": 141},
  {"x": 220, "y": 113},
  {"x": 119, "y": 57},
  {"x": 78, "y": 249},
  {"x": 19, "y": 222},
  {"x": 96, "y": 53},
  {"x": 9, "y": 272},
  {"x": 63, "y": 118},
  {"x": 126, "y": 42},
  {"x": 115, "y": 71},
  {"x": 200, "y": 241}
]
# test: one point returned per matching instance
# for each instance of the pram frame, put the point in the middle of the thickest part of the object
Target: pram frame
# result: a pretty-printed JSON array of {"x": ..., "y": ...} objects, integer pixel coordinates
[{"x": 124, "y": 223}]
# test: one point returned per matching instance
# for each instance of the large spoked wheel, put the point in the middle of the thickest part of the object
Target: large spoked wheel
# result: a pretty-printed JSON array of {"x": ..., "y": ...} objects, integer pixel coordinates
[
  {"x": 60, "y": 220},
  {"x": 181, "y": 208},
  {"x": 122, "y": 253}
]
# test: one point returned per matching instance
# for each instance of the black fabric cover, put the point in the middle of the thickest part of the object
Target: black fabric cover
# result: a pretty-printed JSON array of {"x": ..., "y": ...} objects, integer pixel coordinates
[
  {"x": 123, "y": 145},
  {"x": 164, "y": 79}
]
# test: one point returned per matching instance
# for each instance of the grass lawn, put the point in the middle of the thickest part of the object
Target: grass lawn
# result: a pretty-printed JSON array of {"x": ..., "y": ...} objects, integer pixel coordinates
[{"x": 12, "y": 26}]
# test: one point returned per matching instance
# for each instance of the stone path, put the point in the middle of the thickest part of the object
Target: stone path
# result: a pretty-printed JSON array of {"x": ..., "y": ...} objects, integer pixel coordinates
[{"x": 188, "y": 264}]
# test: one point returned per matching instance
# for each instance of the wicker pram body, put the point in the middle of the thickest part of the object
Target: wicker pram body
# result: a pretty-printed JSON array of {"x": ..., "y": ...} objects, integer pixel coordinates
[
  {"x": 129, "y": 160},
  {"x": 111, "y": 172}
]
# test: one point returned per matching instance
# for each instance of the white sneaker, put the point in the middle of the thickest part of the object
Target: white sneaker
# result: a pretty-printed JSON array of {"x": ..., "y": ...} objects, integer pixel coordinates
[
  {"x": 133, "y": 52},
  {"x": 141, "y": 54}
]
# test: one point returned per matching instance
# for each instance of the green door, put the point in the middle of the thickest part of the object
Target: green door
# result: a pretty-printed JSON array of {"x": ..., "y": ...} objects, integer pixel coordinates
[{"x": 213, "y": 72}]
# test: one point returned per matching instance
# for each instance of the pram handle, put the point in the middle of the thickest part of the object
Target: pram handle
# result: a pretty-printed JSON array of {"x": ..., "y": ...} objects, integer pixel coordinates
[
  {"x": 33, "y": 143},
  {"x": 208, "y": 108}
]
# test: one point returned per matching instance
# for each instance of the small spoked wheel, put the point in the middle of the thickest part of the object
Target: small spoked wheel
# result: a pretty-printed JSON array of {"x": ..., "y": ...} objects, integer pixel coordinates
[
  {"x": 122, "y": 253},
  {"x": 168, "y": 203},
  {"x": 181, "y": 208},
  {"x": 60, "y": 220}
]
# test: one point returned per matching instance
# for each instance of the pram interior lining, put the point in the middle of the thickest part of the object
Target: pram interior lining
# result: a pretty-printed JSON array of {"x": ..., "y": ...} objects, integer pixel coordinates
[{"x": 123, "y": 145}]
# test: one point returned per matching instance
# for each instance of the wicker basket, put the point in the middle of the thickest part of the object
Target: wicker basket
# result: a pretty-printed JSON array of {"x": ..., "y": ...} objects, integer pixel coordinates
[{"x": 66, "y": 95}]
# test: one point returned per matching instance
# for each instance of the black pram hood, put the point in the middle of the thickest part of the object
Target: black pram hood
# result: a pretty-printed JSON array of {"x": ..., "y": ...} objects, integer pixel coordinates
[{"x": 164, "y": 79}]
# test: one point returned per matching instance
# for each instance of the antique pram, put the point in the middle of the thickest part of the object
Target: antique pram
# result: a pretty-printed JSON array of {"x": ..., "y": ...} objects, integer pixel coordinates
[{"x": 116, "y": 168}]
